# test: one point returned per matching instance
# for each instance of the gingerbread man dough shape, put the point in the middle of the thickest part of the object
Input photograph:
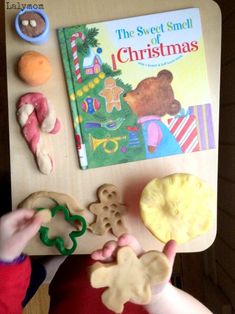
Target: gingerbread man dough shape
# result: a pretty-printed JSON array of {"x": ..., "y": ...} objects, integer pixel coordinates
[
  {"x": 111, "y": 93},
  {"x": 109, "y": 212},
  {"x": 130, "y": 278}
]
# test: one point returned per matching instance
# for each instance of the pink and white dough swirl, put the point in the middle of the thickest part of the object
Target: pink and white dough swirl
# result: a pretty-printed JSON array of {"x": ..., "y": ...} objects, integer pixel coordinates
[{"x": 34, "y": 115}]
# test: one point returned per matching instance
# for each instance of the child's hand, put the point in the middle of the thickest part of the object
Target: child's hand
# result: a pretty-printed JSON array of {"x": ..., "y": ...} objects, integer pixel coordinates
[
  {"x": 16, "y": 229},
  {"x": 109, "y": 250}
]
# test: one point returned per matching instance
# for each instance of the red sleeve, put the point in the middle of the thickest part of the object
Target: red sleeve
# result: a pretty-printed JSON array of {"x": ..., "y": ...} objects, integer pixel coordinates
[
  {"x": 14, "y": 281},
  {"x": 71, "y": 292}
]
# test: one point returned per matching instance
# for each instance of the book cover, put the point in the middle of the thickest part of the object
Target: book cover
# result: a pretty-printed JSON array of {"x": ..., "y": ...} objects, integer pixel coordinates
[{"x": 138, "y": 87}]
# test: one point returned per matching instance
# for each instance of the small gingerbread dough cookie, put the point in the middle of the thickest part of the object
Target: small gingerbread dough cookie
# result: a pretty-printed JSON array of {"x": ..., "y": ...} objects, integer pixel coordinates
[
  {"x": 177, "y": 207},
  {"x": 34, "y": 68},
  {"x": 130, "y": 278},
  {"x": 58, "y": 198},
  {"x": 45, "y": 215},
  {"x": 109, "y": 212}
]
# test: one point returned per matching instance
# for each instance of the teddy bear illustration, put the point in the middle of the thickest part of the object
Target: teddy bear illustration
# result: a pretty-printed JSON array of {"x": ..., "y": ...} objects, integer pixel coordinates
[{"x": 152, "y": 99}]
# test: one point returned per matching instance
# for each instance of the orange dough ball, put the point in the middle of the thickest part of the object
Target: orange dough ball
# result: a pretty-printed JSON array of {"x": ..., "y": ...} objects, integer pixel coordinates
[{"x": 34, "y": 68}]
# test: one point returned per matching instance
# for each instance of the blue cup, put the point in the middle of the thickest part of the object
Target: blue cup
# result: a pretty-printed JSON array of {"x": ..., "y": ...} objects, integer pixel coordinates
[{"x": 40, "y": 39}]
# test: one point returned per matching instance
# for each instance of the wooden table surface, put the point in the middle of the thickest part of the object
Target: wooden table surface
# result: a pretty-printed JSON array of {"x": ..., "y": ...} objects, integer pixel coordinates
[{"x": 130, "y": 178}]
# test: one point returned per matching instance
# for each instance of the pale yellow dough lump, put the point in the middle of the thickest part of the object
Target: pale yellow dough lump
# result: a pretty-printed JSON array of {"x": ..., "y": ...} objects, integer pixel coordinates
[
  {"x": 179, "y": 207},
  {"x": 45, "y": 214}
]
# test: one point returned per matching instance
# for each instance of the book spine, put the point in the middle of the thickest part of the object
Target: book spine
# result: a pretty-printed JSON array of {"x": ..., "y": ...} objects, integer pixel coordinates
[{"x": 72, "y": 98}]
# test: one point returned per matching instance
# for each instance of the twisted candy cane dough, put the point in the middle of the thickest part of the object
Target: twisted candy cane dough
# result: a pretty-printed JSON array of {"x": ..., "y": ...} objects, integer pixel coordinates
[{"x": 34, "y": 113}]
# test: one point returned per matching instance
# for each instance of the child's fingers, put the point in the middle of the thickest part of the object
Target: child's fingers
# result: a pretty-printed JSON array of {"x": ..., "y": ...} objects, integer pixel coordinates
[
  {"x": 106, "y": 253},
  {"x": 29, "y": 230},
  {"x": 109, "y": 249},
  {"x": 129, "y": 240},
  {"x": 170, "y": 251},
  {"x": 97, "y": 255},
  {"x": 18, "y": 215}
]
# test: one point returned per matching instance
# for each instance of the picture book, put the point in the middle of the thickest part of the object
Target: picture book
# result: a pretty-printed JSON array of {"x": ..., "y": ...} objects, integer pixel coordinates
[{"x": 138, "y": 87}]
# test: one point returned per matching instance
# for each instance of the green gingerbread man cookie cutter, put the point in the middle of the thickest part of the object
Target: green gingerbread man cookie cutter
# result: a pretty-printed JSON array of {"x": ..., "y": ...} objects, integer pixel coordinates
[{"x": 58, "y": 241}]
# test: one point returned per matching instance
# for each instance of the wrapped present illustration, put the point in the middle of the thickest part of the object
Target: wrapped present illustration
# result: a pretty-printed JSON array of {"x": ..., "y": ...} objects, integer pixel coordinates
[
  {"x": 204, "y": 122},
  {"x": 193, "y": 130},
  {"x": 184, "y": 128}
]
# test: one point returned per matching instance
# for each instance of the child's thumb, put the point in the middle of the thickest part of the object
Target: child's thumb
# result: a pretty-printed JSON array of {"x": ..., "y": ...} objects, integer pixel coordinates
[{"x": 30, "y": 230}]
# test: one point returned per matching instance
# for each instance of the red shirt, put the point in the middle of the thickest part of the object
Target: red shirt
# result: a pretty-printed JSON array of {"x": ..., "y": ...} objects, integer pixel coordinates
[{"x": 14, "y": 281}]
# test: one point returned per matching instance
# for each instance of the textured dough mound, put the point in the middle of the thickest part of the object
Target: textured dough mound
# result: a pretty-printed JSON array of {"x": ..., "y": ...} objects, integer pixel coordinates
[
  {"x": 177, "y": 207},
  {"x": 34, "y": 68}
]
